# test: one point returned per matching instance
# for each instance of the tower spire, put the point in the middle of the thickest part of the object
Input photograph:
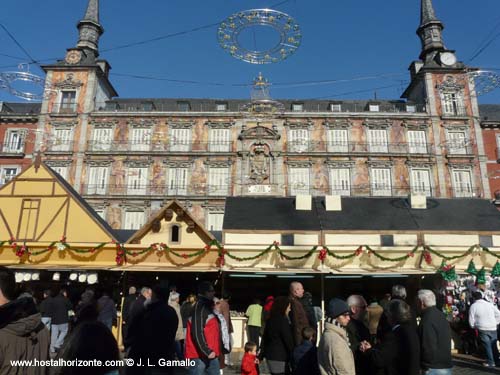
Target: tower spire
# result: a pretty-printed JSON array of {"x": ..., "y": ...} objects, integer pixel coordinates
[
  {"x": 430, "y": 31},
  {"x": 90, "y": 29}
]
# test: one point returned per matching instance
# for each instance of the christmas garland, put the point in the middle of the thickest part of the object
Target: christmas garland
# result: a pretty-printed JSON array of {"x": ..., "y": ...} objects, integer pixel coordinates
[{"x": 447, "y": 271}]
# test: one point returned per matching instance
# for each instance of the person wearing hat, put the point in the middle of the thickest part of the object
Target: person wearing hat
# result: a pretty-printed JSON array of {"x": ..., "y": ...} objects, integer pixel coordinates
[{"x": 334, "y": 353}]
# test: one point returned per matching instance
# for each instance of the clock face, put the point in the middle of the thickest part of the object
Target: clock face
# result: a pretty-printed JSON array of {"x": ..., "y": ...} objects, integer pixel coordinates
[
  {"x": 73, "y": 57},
  {"x": 447, "y": 58}
]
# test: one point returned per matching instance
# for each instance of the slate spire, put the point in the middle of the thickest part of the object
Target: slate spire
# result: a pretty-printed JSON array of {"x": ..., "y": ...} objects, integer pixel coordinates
[
  {"x": 429, "y": 31},
  {"x": 90, "y": 29}
]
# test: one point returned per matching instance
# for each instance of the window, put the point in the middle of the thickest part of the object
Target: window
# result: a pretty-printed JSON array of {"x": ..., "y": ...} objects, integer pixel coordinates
[
  {"x": 381, "y": 182},
  {"x": 486, "y": 241},
  {"x": 219, "y": 140},
  {"x": 180, "y": 139},
  {"x": 340, "y": 181},
  {"x": 298, "y": 181},
  {"x": 338, "y": 140},
  {"x": 14, "y": 140},
  {"x": 137, "y": 181},
  {"x": 297, "y": 107},
  {"x": 498, "y": 142},
  {"x": 411, "y": 108},
  {"x": 98, "y": 180},
  {"x": 377, "y": 140},
  {"x": 221, "y": 107},
  {"x": 134, "y": 219},
  {"x": 420, "y": 182},
  {"x": 101, "y": 212},
  {"x": 215, "y": 221},
  {"x": 7, "y": 174},
  {"x": 62, "y": 139},
  {"x": 457, "y": 143},
  {"x": 147, "y": 106},
  {"x": 183, "y": 106},
  {"x": 462, "y": 183},
  {"x": 373, "y": 107},
  {"x": 335, "y": 107},
  {"x": 387, "y": 240},
  {"x": 218, "y": 181},
  {"x": 453, "y": 104},
  {"x": 68, "y": 102},
  {"x": 101, "y": 139},
  {"x": 177, "y": 181},
  {"x": 62, "y": 171},
  {"x": 417, "y": 142},
  {"x": 298, "y": 140},
  {"x": 140, "y": 139},
  {"x": 175, "y": 234},
  {"x": 29, "y": 219}
]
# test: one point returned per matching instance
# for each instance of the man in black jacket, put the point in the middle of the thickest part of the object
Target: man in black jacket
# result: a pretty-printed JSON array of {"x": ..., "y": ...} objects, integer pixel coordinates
[
  {"x": 435, "y": 335},
  {"x": 136, "y": 310},
  {"x": 60, "y": 321},
  {"x": 127, "y": 304},
  {"x": 358, "y": 332}
]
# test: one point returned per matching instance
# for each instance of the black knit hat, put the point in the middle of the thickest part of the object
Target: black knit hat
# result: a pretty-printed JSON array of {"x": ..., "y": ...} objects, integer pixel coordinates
[{"x": 337, "y": 307}]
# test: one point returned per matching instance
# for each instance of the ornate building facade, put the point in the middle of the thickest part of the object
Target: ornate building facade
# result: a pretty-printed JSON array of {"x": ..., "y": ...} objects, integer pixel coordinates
[{"x": 127, "y": 157}]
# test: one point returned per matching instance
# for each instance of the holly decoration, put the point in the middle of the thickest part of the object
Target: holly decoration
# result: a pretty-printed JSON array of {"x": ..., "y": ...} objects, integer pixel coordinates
[
  {"x": 359, "y": 251},
  {"x": 447, "y": 271},
  {"x": 427, "y": 257},
  {"x": 120, "y": 254},
  {"x": 322, "y": 255},
  {"x": 221, "y": 261},
  {"x": 495, "y": 272},
  {"x": 481, "y": 276},
  {"x": 471, "y": 269}
]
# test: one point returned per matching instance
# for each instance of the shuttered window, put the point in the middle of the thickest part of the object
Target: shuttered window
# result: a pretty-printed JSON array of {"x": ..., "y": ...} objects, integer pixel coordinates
[
  {"x": 338, "y": 140},
  {"x": 298, "y": 181},
  {"x": 98, "y": 180},
  {"x": 298, "y": 140},
  {"x": 134, "y": 219},
  {"x": 137, "y": 181},
  {"x": 457, "y": 143},
  {"x": 102, "y": 138},
  {"x": 219, "y": 140},
  {"x": 417, "y": 142},
  {"x": 218, "y": 181},
  {"x": 340, "y": 181},
  {"x": 177, "y": 181},
  {"x": 140, "y": 139},
  {"x": 381, "y": 182},
  {"x": 420, "y": 182},
  {"x": 215, "y": 221},
  {"x": 462, "y": 183},
  {"x": 377, "y": 140},
  {"x": 180, "y": 139},
  {"x": 62, "y": 139}
]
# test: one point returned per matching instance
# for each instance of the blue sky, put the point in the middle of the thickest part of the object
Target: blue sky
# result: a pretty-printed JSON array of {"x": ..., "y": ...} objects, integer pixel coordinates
[{"x": 345, "y": 40}]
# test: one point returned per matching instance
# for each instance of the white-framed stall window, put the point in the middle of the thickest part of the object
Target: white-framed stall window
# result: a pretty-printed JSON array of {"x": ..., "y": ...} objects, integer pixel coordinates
[{"x": 299, "y": 181}]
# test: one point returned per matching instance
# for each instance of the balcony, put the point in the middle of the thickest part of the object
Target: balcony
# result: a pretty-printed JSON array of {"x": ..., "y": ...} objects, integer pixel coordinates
[
  {"x": 57, "y": 146},
  {"x": 149, "y": 146},
  {"x": 458, "y": 150},
  {"x": 10, "y": 150},
  {"x": 69, "y": 108},
  {"x": 151, "y": 189},
  {"x": 344, "y": 148}
]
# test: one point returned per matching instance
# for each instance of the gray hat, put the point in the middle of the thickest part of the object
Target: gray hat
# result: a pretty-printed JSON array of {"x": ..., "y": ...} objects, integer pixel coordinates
[{"x": 337, "y": 307}]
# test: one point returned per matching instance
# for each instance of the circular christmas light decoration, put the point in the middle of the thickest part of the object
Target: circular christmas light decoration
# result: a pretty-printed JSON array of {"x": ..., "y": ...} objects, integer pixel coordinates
[
  {"x": 485, "y": 81},
  {"x": 289, "y": 33},
  {"x": 7, "y": 79}
]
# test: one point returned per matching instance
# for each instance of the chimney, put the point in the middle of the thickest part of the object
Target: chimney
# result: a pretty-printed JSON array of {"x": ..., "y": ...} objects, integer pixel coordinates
[
  {"x": 333, "y": 203},
  {"x": 418, "y": 202},
  {"x": 303, "y": 202}
]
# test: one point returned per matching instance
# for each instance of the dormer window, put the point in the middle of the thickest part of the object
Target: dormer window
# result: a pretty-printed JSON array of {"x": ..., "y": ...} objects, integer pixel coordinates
[
  {"x": 175, "y": 234},
  {"x": 147, "y": 106},
  {"x": 335, "y": 107},
  {"x": 221, "y": 107},
  {"x": 373, "y": 107},
  {"x": 183, "y": 106},
  {"x": 410, "y": 108},
  {"x": 297, "y": 107}
]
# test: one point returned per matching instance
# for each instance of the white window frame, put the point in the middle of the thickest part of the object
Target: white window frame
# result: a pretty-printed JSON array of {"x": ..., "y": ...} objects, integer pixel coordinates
[
  {"x": 137, "y": 181},
  {"x": 61, "y": 170},
  {"x": 338, "y": 140},
  {"x": 63, "y": 138},
  {"x": 218, "y": 181},
  {"x": 180, "y": 139},
  {"x": 453, "y": 103},
  {"x": 15, "y": 140},
  {"x": 221, "y": 107},
  {"x": 177, "y": 183},
  {"x": 97, "y": 182},
  {"x": 457, "y": 145},
  {"x": 140, "y": 139},
  {"x": 374, "y": 107},
  {"x": 411, "y": 108},
  {"x": 4, "y": 177},
  {"x": 299, "y": 180},
  {"x": 215, "y": 221},
  {"x": 335, "y": 107},
  {"x": 417, "y": 141},
  {"x": 340, "y": 181},
  {"x": 298, "y": 140},
  {"x": 420, "y": 181},
  {"x": 378, "y": 140},
  {"x": 462, "y": 183},
  {"x": 102, "y": 139},
  {"x": 381, "y": 181},
  {"x": 219, "y": 140},
  {"x": 134, "y": 220},
  {"x": 297, "y": 107}
]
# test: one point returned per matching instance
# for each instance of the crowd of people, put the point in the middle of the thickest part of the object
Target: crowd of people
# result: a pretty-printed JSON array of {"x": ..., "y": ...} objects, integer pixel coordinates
[{"x": 390, "y": 336}]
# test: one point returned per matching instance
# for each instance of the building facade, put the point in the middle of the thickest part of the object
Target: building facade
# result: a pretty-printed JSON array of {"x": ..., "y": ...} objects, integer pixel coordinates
[{"x": 127, "y": 157}]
